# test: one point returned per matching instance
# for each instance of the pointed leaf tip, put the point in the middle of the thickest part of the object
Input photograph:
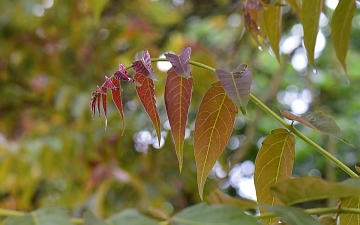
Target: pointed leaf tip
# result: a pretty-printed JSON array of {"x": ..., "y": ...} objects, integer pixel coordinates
[
  {"x": 122, "y": 74},
  {"x": 116, "y": 97},
  {"x": 143, "y": 66},
  {"x": 181, "y": 62},
  {"x": 109, "y": 84}
]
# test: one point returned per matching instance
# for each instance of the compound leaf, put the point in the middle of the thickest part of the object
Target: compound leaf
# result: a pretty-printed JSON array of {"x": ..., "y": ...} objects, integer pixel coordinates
[
  {"x": 181, "y": 62},
  {"x": 116, "y": 97}
]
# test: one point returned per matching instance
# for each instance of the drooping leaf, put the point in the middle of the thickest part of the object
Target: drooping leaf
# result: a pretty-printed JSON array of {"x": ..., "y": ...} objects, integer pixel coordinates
[
  {"x": 291, "y": 215},
  {"x": 103, "y": 97},
  {"x": 181, "y": 62},
  {"x": 42, "y": 216},
  {"x": 290, "y": 116},
  {"x": 252, "y": 4},
  {"x": 304, "y": 189},
  {"x": 109, "y": 84},
  {"x": 91, "y": 219},
  {"x": 93, "y": 104},
  {"x": 122, "y": 74},
  {"x": 326, "y": 220},
  {"x": 177, "y": 95},
  {"x": 143, "y": 66},
  {"x": 213, "y": 126},
  {"x": 311, "y": 11},
  {"x": 146, "y": 93},
  {"x": 350, "y": 218},
  {"x": 237, "y": 85},
  {"x": 274, "y": 162},
  {"x": 271, "y": 20},
  {"x": 131, "y": 217},
  {"x": 116, "y": 97},
  {"x": 217, "y": 197},
  {"x": 340, "y": 29},
  {"x": 250, "y": 21},
  {"x": 294, "y": 5},
  {"x": 202, "y": 214}
]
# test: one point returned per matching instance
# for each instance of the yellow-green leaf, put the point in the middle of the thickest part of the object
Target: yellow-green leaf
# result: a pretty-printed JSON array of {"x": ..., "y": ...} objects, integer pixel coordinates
[
  {"x": 294, "y": 5},
  {"x": 327, "y": 220},
  {"x": 213, "y": 126},
  {"x": 350, "y": 218},
  {"x": 217, "y": 197},
  {"x": 274, "y": 162},
  {"x": 271, "y": 20},
  {"x": 340, "y": 29},
  {"x": 311, "y": 10}
]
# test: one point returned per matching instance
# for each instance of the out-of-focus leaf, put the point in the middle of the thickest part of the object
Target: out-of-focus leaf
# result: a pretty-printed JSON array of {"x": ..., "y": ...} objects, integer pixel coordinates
[
  {"x": 213, "y": 126},
  {"x": 116, "y": 97},
  {"x": 131, "y": 217},
  {"x": 212, "y": 215},
  {"x": 326, "y": 220},
  {"x": 251, "y": 23},
  {"x": 122, "y": 74},
  {"x": 357, "y": 169},
  {"x": 252, "y": 4},
  {"x": 103, "y": 97},
  {"x": 271, "y": 19},
  {"x": 350, "y": 218},
  {"x": 181, "y": 62},
  {"x": 291, "y": 215},
  {"x": 146, "y": 93},
  {"x": 274, "y": 162},
  {"x": 217, "y": 197},
  {"x": 294, "y": 5},
  {"x": 311, "y": 11},
  {"x": 178, "y": 91},
  {"x": 304, "y": 189},
  {"x": 143, "y": 66},
  {"x": 340, "y": 29},
  {"x": 42, "y": 216},
  {"x": 91, "y": 219},
  {"x": 237, "y": 85},
  {"x": 97, "y": 7}
]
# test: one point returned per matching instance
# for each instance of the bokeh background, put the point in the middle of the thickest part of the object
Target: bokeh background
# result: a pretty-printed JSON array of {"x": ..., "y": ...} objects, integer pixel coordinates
[{"x": 54, "y": 53}]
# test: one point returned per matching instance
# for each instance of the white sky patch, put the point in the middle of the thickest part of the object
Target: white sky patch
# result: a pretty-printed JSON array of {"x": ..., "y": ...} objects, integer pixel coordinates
[{"x": 163, "y": 66}]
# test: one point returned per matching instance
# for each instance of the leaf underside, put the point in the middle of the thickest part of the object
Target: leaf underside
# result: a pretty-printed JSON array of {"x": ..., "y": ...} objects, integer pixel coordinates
[
  {"x": 213, "y": 127},
  {"x": 181, "y": 63},
  {"x": 274, "y": 162},
  {"x": 116, "y": 97}
]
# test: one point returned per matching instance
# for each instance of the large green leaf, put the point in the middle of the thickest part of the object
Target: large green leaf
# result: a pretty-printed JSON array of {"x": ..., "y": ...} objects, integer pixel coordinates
[
  {"x": 274, "y": 162},
  {"x": 203, "y": 214},
  {"x": 291, "y": 215},
  {"x": 340, "y": 29},
  {"x": 42, "y": 216},
  {"x": 91, "y": 219},
  {"x": 218, "y": 197},
  {"x": 131, "y": 217},
  {"x": 350, "y": 218},
  {"x": 311, "y": 11},
  {"x": 213, "y": 127},
  {"x": 303, "y": 189}
]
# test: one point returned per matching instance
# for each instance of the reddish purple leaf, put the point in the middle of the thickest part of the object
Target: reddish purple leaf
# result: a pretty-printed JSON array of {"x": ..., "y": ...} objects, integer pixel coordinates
[
  {"x": 252, "y": 4},
  {"x": 100, "y": 91},
  {"x": 237, "y": 85},
  {"x": 93, "y": 103},
  {"x": 103, "y": 96},
  {"x": 109, "y": 84},
  {"x": 181, "y": 62},
  {"x": 116, "y": 97},
  {"x": 146, "y": 93},
  {"x": 122, "y": 74},
  {"x": 97, "y": 104},
  {"x": 178, "y": 91},
  {"x": 143, "y": 66}
]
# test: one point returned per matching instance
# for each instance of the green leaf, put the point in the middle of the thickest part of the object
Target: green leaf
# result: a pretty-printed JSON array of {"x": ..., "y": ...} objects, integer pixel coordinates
[
  {"x": 311, "y": 11},
  {"x": 271, "y": 19},
  {"x": 357, "y": 168},
  {"x": 340, "y": 29},
  {"x": 350, "y": 218},
  {"x": 42, "y": 216},
  {"x": 303, "y": 189},
  {"x": 274, "y": 162},
  {"x": 91, "y": 219},
  {"x": 213, "y": 127},
  {"x": 218, "y": 197},
  {"x": 131, "y": 217},
  {"x": 291, "y": 215},
  {"x": 203, "y": 214}
]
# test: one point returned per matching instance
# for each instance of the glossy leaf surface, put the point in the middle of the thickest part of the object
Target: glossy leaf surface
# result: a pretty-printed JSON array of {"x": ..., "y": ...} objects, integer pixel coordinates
[
  {"x": 181, "y": 62},
  {"x": 217, "y": 197},
  {"x": 350, "y": 218},
  {"x": 237, "y": 85},
  {"x": 291, "y": 215},
  {"x": 143, "y": 66},
  {"x": 213, "y": 127},
  {"x": 212, "y": 215},
  {"x": 340, "y": 29},
  {"x": 178, "y": 91},
  {"x": 274, "y": 162},
  {"x": 310, "y": 20},
  {"x": 146, "y": 93},
  {"x": 42, "y": 216},
  {"x": 303, "y": 189},
  {"x": 116, "y": 97}
]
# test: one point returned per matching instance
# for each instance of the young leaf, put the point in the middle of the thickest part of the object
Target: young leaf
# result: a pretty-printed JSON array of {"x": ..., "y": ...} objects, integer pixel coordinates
[
  {"x": 202, "y": 214},
  {"x": 251, "y": 24},
  {"x": 181, "y": 62},
  {"x": 272, "y": 25},
  {"x": 303, "y": 189},
  {"x": 311, "y": 11},
  {"x": 131, "y": 217},
  {"x": 143, "y": 66},
  {"x": 122, "y": 74},
  {"x": 103, "y": 97},
  {"x": 146, "y": 93},
  {"x": 93, "y": 103},
  {"x": 109, "y": 84},
  {"x": 274, "y": 162},
  {"x": 217, "y": 197},
  {"x": 178, "y": 91},
  {"x": 350, "y": 218},
  {"x": 252, "y": 4},
  {"x": 290, "y": 116},
  {"x": 237, "y": 85},
  {"x": 340, "y": 29},
  {"x": 291, "y": 215},
  {"x": 213, "y": 126},
  {"x": 116, "y": 97},
  {"x": 42, "y": 216}
]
